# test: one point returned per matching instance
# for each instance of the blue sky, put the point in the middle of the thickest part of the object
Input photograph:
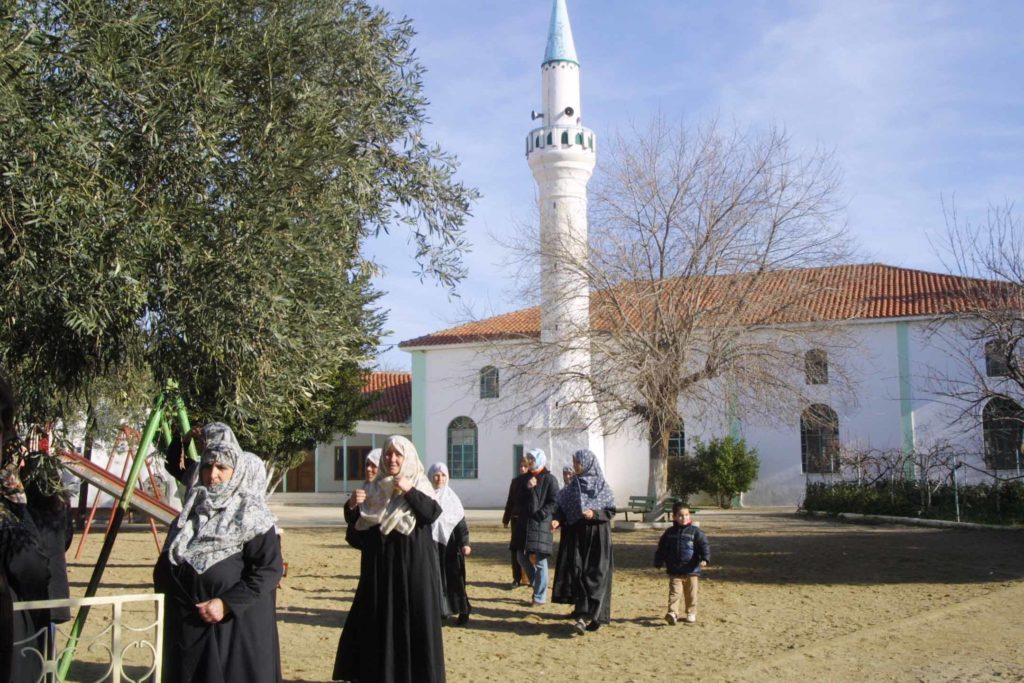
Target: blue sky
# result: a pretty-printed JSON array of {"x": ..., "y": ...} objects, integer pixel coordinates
[{"x": 920, "y": 101}]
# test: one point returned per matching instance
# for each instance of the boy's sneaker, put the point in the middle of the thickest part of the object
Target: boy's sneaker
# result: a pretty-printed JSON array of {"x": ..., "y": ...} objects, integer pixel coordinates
[
  {"x": 671, "y": 618},
  {"x": 580, "y": 627},
  {"x": 691, "y": 618}
]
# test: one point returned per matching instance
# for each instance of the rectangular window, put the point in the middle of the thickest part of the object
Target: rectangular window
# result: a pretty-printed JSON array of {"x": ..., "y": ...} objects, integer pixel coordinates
[
  {"x": 676, "y": 444},
  {"x": 489, "y": 382},
  {"x": 352, "y": 467},
  {"x": 996, "y": 359},
  {"x": 820, "y": 453},
  {"x": 816, "y": 367},
  {"x": 462, "y": 455}
]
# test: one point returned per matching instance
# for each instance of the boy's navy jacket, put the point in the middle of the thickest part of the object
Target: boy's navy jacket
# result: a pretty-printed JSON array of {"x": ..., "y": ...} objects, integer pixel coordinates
[{"x": 681, "y": 550}]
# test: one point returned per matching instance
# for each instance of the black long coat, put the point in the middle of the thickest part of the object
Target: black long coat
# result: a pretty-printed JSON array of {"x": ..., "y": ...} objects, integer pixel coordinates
[
  {"x": 536, "y": 507},
  {"x": 561, "y": 591},
  {"x": 393, "y": 630},
  {"x": 28, "y": 575},
  {"x": 592, "y": 566},
  {"x": 452, "y": 567},
  {"x": 244, "y": 647}
]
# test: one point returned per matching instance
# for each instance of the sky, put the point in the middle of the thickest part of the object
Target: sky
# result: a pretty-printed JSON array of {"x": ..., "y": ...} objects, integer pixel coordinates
[{"x": 921, "y": 102}]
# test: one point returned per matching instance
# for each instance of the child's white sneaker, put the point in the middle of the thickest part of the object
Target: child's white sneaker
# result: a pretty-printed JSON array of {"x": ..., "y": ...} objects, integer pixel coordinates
[
  {"x": 691, "y": 618},
  {"x": 671, "y": 619}
]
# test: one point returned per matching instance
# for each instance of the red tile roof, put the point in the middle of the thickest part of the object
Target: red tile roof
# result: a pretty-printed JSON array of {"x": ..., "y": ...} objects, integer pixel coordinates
[
  {"x": 849, "y": 292},
  {"x": 393, "y": 390}
]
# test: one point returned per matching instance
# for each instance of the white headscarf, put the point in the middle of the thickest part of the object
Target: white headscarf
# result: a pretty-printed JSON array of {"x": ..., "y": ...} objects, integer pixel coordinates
[
  {"x": 373, "y": 458},
  {"x": 216, "y": 521},
  {"x": 452, "y": 511},
  {"x": 385, "y": 505}
]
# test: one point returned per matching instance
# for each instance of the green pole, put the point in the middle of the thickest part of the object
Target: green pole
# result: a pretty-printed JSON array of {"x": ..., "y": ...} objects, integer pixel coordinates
[
  {"x": 186, "y": 427},
  {"x": 152, "y": 425}
]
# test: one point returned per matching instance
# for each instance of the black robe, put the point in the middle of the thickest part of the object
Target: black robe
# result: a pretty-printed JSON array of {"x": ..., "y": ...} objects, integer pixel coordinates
[
  {"x": 28, "y": 576},
  {"x": 452, "y": 567},
  {"x": 56, "y": 529},
  {"x": 244, "y": 646},
  {"x": 561, "y": 591},
  {"x": 393, "y": 630},
  {"x": 593, "y": 565}
]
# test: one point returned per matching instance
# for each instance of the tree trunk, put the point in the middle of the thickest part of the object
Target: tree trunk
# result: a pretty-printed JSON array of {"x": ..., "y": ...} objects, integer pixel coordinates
[{"x": 657, "y": 481}]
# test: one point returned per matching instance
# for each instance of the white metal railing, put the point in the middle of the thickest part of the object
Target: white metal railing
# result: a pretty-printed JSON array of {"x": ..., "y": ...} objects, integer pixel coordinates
[{"x": 106, "y": 649}]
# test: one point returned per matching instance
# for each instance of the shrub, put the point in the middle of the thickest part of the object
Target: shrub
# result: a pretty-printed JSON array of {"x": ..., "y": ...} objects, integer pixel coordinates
[
  {"x": 727, "y": 467},
  {"x": 992, "y": 503},
  {"x": 684, "y": 477}
]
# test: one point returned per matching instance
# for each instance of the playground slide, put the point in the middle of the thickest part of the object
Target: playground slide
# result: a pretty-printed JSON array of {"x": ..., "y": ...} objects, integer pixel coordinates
[{"x": 114, "y": 485}]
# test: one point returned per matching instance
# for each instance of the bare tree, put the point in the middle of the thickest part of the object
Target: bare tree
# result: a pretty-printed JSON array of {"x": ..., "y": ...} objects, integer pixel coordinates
[
  {"x": 985, "y": 380},
  {"x": 703, "y": 272}
]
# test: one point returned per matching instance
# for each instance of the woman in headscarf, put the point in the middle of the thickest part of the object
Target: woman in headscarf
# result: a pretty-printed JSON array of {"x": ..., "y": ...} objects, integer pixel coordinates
[
  {"x": 219, "y": 571},
  {"x": 452, "y": 537},
  {"x": 51, "y": 513},
  {"x": 511, "y": 516},
  {"x": 393, "y": 630},
  {"x": 586, "y": 510},
  {"x": 354, "y": 537},
  {"x": 536, "y": 506},
  {"x": 561, "y": 591},
  {"x": 26, "y": 570}
]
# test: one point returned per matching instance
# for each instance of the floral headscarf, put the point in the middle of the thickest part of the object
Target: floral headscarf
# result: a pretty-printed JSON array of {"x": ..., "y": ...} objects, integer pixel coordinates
[
  {"x": 216, "y": 521},
  {"x": 11, "y": 487},
  {"x": 588, "y": 490},
  {"x": 384, "y": 504}
]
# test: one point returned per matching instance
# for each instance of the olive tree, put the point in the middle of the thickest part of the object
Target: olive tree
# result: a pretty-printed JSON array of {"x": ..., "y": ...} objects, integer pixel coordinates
[{"x": 185, "y": 189}]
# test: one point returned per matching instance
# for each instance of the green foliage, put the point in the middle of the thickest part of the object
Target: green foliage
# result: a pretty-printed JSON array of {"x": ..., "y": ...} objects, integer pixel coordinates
[
  {"x": 684, "y": 476},
  {"x": 995, "y": 503},
  {"x": 727, "y": 466},
  {"x": 185, "y": 188}
]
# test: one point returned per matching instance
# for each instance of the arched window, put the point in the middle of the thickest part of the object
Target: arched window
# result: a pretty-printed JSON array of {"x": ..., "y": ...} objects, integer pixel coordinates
[
  {"x": 549, "y": 137},
  {"x": 1002, "y": 422},
  {"x": 819, "y": 440},
  {"x": 677, "y": 443},
  {"x": 462, "y": 448},
  {"x": 565, "y": 137},
  {"x": 996, "y": 359},
  {"x": 816, "y": 367},
  {"x": 579, "y": 139},
  {"x": 489, "y": 382}
]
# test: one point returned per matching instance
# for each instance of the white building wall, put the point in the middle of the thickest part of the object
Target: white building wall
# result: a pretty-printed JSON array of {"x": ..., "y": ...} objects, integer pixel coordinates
[
  {"x": 869, "y": 416},
  {"x": 453, "y": 390}
]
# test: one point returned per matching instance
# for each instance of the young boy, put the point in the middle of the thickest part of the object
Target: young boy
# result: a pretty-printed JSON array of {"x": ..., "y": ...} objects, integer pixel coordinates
[{"x": 682, "y": 550}]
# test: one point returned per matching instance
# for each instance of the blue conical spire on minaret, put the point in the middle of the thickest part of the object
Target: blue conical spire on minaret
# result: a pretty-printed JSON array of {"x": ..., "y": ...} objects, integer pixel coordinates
[{"x": 561, "y": 48}]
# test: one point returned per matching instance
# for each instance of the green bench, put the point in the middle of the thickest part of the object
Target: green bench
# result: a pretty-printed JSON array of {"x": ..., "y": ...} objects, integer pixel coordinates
[{"x": 642, "y": 505}]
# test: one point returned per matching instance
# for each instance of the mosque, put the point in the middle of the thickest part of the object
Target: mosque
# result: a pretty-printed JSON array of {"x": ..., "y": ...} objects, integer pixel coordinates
[{"x": 458, "y": 409}]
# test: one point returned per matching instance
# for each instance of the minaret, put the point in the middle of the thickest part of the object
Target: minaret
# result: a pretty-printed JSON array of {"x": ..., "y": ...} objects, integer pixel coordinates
[{"x": 562, "y": 156}]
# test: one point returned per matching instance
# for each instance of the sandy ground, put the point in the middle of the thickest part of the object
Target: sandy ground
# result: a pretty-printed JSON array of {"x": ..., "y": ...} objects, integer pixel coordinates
[{"x": 787, "y": 599}]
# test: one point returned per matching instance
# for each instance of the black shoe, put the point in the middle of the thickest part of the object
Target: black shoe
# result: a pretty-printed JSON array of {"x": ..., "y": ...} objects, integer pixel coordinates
[
  {"x": 593, "y": 626},
  {"x": 463, "y": 618},
  {"x": 580, "y": 627}
]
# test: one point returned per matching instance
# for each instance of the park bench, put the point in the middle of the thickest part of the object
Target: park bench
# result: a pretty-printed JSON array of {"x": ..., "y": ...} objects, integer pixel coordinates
[
  {"x": 642, "y": 505},
  {"x": 638, "y": 505}
]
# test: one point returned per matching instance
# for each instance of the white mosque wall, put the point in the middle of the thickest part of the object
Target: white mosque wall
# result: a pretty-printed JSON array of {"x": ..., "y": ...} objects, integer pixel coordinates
[{"x": 869, "y": 416}]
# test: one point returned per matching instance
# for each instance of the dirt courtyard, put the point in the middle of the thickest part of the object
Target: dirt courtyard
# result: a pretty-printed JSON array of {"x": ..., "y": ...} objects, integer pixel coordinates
[{"x": 788, "y": 598}]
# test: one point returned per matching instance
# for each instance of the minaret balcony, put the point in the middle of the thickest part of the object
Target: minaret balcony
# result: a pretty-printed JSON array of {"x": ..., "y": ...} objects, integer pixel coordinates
[{"x": 560, "y": 137}]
